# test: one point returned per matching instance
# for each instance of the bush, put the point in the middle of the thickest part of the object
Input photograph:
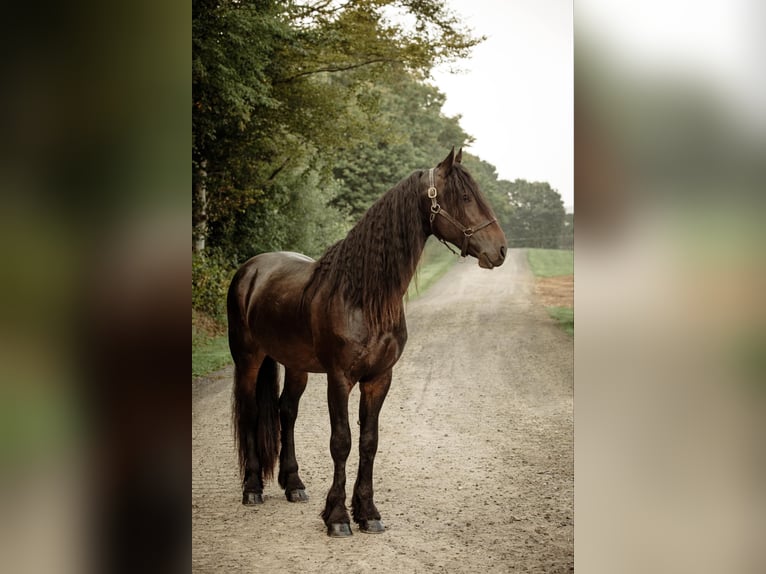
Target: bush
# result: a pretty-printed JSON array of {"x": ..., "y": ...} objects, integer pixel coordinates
[{"x": 211, "y": 275}]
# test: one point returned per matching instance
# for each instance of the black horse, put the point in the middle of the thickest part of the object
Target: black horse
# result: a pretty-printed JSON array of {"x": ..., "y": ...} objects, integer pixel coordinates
[{"x": 341, "y": 315}]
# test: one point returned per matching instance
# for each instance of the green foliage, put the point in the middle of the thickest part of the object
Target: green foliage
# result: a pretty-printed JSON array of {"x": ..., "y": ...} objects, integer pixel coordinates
[
  {"x": 412, "y": 133},
  {"x": 295, "y": 217},
  {"x": 367, "y": 172},
  {"x": 536, "y": 215},
  {"x": 417, "y": 34},
  {"x": 211, "y": 275},
  {"x": 551, "y": 262}
]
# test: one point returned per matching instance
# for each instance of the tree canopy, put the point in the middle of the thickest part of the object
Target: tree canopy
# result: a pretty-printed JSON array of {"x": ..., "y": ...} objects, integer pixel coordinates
[{"x": 536, "y": 215}]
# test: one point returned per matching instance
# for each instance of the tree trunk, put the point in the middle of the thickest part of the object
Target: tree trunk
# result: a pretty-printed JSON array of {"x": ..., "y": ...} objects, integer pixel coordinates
[{"x": 200, "y": 195}]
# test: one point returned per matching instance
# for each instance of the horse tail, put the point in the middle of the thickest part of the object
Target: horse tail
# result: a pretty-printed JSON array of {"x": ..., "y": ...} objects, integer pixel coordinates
[
  {"x": 256, "y": 417},
  {"x": 267, "y": 424}
]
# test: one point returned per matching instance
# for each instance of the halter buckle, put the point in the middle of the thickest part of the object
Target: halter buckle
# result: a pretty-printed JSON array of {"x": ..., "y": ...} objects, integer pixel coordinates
[
  {"x": 432, "y": 192},
  {"x": 435, "y": 208},
  {"x": 468, "y": 232}
]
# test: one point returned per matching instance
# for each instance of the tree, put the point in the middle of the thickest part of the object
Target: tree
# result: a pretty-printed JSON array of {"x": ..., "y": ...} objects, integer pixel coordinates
[
  {"x": 234, "y": 47},
  {"x": 536, "y": 216},
  {"x": 280, "y": 88},
  {"x": 567, "y": 233},
  {"x": 416, "y": 134}
]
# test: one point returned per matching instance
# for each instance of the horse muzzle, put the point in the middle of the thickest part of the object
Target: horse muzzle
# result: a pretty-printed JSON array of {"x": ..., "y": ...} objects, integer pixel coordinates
[{"x": 487, "y": 261}]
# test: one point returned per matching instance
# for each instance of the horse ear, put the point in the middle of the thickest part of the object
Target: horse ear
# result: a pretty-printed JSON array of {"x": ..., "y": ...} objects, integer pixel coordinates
[
  {"x": 459, "y": 156},
  {"x": 448, "y": 162}
]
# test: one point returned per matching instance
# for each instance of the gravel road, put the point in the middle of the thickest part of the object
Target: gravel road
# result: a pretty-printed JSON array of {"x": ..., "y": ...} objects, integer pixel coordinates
[{"x": 475, "y": 467}]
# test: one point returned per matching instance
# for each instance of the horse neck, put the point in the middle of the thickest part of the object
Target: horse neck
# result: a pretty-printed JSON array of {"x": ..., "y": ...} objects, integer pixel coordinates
[
  {"x": 394, "y": 239},
  {"x": 375, "y": 263}
]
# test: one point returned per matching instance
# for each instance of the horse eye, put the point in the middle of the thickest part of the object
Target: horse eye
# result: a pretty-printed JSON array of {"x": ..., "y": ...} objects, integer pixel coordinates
[{"x": 466, "y": 197}]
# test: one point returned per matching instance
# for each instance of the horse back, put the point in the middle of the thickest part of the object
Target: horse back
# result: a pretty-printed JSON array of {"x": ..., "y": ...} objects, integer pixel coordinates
[{"x": 266, "y": 312}]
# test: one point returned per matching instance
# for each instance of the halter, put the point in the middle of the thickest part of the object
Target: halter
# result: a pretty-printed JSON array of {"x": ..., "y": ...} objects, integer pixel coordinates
[{"x": 436, "y": 209}]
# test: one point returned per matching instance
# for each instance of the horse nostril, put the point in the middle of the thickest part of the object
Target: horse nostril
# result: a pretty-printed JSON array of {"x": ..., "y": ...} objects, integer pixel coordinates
[{"x": 502, "y": 252}]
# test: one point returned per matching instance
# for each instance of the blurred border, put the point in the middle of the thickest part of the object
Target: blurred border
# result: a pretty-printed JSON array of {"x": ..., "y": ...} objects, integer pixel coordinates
[
  {"x": 670, "y": 170},
  {"x": 94, "y": 177}
]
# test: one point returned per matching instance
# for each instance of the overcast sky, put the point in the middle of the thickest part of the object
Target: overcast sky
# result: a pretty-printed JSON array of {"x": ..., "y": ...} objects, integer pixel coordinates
[
  {"x": 516, "y": 92},
  {"x": 722, "y": 44}
]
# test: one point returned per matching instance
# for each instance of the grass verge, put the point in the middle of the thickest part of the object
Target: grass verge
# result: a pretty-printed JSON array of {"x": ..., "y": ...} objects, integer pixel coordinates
[
  {"x": 209, "y": 354},
  {"x": 210, "y": 346},
  {"x": 554, "y": 263},
  {"x": 565, "y": 317},
  {"x": 551, "y": 262}
]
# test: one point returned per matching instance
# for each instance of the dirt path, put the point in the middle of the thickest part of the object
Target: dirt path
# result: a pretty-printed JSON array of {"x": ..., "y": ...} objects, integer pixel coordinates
[{"x": 475, "y": 466}]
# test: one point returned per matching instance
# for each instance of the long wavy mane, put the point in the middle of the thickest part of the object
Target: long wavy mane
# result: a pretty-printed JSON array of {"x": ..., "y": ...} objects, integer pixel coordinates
[{"x": 373, "y": 265}]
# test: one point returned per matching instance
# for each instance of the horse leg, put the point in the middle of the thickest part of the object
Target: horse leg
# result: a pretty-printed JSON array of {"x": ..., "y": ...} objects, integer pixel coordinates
[
  {"x": 256, "y": 423},
  {"x": 295, "y": 384},
  {"x": 252, "y": 482},
  {"x": 245, "y": 409},
  {"x": 335, "y": 514},
  {"x": 373, "y": 393}
]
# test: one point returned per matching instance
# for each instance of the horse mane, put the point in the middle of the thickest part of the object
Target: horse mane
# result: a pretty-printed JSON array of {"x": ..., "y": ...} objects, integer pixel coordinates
[{"x": 374, "y": 264}]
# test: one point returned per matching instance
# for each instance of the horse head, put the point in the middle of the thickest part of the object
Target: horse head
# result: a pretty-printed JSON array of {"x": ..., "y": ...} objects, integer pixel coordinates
[{"x": 460, "y": 214}]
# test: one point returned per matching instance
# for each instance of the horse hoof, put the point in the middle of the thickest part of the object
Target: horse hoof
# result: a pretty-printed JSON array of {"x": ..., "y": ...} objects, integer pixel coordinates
[
  {"x": 371, "y": 526},
  {"x": 297, "y": 495},
  {"x": 250, "y": 498},
  {"x": 339, "y": 530}
]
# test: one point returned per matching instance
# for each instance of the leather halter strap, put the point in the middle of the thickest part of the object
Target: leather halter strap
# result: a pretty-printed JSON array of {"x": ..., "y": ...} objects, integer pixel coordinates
[{"x": 436, "y": 209}]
